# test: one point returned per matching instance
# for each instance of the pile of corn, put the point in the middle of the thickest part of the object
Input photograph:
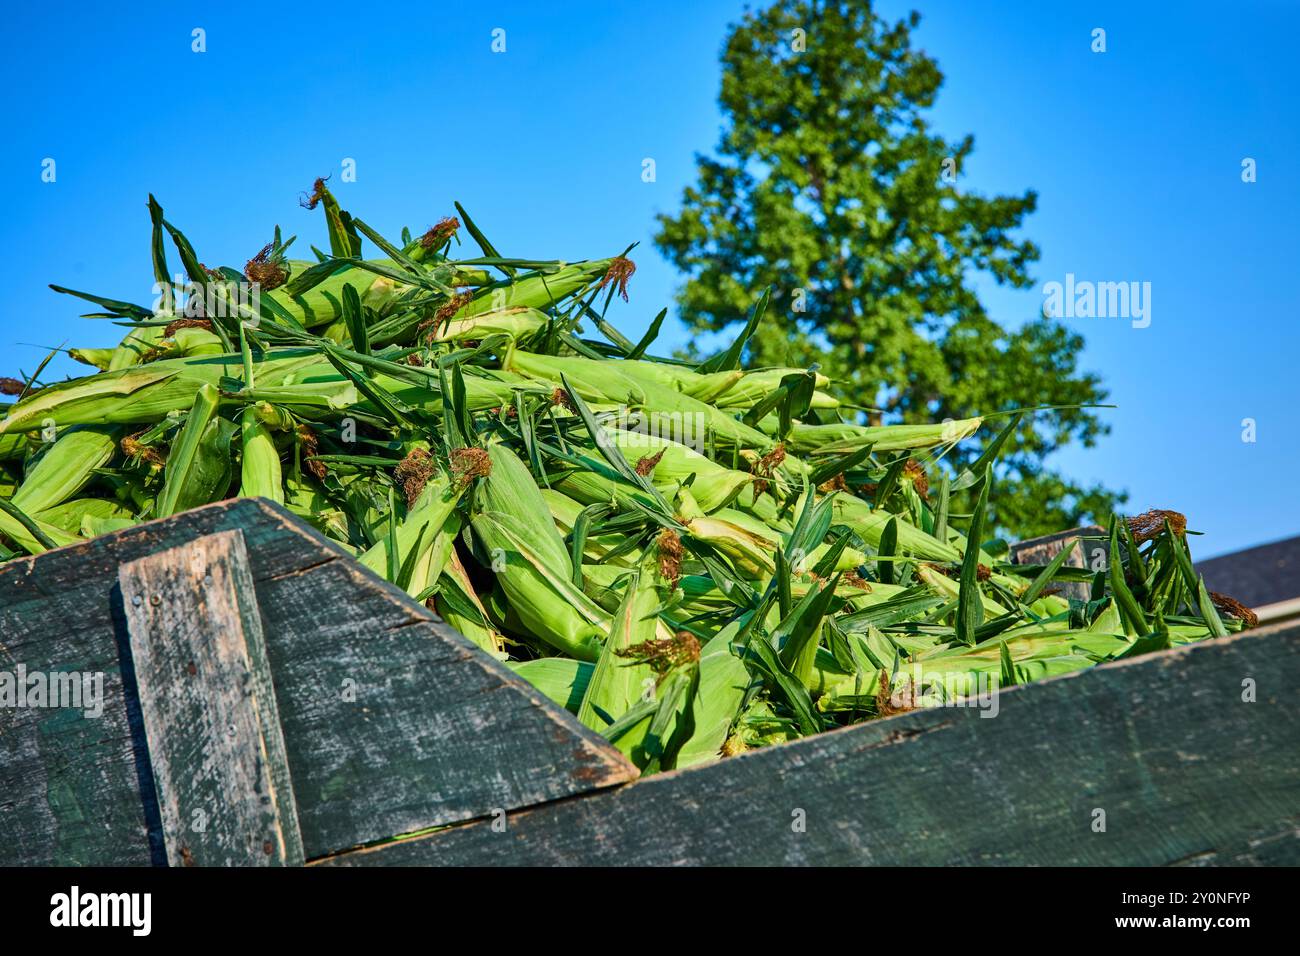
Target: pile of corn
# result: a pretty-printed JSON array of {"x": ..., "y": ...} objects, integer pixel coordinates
[{"x": 693, "y": 559}]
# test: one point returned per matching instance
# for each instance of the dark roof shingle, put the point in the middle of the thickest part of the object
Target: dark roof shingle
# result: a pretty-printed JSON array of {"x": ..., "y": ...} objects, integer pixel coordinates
[{"x": 1256, "y": 576}]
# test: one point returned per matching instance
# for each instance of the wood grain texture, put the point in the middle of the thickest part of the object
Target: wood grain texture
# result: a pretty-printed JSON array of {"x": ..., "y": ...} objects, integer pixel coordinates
[
  {"x": 220, "y": 773},
  {"x": 392, "y": 722},
  {"x": 1088, "y": 553},
  {"x": 1186, "y": 771}
]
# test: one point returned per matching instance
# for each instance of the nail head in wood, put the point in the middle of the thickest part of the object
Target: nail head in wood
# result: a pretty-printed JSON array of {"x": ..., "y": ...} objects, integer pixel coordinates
[{"x": 209, "y": 708}]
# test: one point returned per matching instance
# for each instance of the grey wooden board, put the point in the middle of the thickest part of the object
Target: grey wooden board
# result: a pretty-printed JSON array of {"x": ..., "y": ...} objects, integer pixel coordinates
[
  {"x": 1088, "y": 553},
  {"x": 220, "y": 773},
  {"x": 1186, "y": 772},
  {"x": 392, "y": 721}
]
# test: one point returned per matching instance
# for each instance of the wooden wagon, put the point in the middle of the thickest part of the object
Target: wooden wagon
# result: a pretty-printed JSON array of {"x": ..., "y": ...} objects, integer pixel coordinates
[{"x": 262, "y": 699}]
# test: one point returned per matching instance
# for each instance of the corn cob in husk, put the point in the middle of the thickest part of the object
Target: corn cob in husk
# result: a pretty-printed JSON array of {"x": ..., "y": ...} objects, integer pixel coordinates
[{"x": 693, "y": 558}]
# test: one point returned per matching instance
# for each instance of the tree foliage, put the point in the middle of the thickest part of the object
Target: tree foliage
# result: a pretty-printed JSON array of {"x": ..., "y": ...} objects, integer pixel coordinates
[{"x": 829, "y": 186}]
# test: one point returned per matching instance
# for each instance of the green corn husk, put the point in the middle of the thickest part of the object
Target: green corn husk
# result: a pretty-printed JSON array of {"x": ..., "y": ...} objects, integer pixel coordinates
[
  {"x": 565, "y": 512},
  {"x": 65, "y": 467},
  {"x": 669, "y": 463},
  {"x": 417, "y": 533},
  {"x": 870, "y": 525},
  {"x": 13, "y": 446},
  {"x": 845, "y": 439},
  {"x": 619, "y": 683},
  {"x": 46, "y": 535},
  {"x": 751, "y": 554},
  {"x": 516, "y": 323},
  {"x": 594, "y": 380},
  {"x": 433, "y": 563},
  {"x": 481, "y": 393},
  {"x": 199, "y": 467},
  {"x": 135, "y": 346},
  {"x": 193, "y": 342},
  {"x": 322, "y": 304},
  {"x": 772, "y": 535},
  {"x": 306, "y": 499},
  {"x": 709, "y": 387},
  {"x": 673, "y": 552},
  {"x": 753, "y": 387},
  {"x": 99, "y": 358},
  {"x": 605, "y": 583},
  {"x": 146, "y": 394},
  {"x": 260, "y": 473},
  {"x": 531, "y": 562},
  {"x": 535, "y": 292},
  {"x": 590, "y": 488},
  {"x": 724, "y": 678},
  {"x": 603, "y": 382},
  {"x": 81, "y": 514},
  {"x": 467, "y": 613},
  {"x": 950, "y": 589},
  {"x": 563, "y": 680}
]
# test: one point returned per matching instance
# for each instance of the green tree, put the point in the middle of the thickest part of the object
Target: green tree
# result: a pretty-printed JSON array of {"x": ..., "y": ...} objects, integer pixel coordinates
[{"x": 830, "y": 187}]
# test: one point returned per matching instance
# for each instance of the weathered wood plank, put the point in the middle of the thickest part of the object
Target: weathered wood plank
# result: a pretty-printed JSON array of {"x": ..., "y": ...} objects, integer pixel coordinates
[
  {"x": 218, "y": 758},
  {"x": 407, "y": 719},
  {"x": 1089, "y": 552},
  {"x": 392, "y": 722},
  {"x": 1183, "y": 768}
]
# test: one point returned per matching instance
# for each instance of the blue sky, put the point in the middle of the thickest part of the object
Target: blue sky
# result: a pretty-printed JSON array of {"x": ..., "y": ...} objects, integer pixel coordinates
[{"x": 1135, "y": 153}]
